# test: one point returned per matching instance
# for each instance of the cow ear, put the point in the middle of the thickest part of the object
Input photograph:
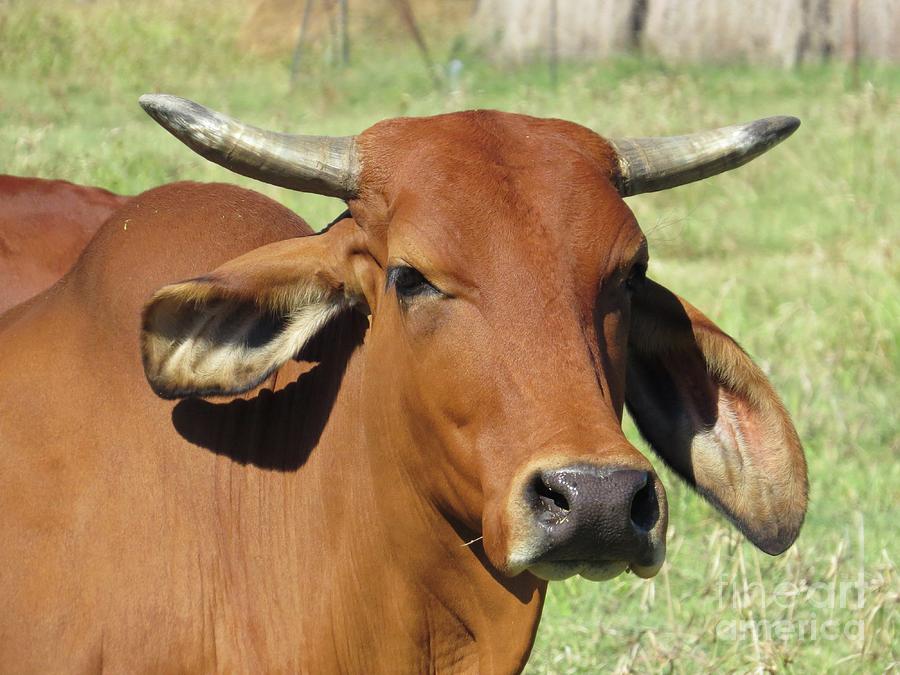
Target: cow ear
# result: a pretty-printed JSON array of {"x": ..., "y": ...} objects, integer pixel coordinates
[
  {"x": 226, "y": 331},
  {"x": 712, "y": 415}
]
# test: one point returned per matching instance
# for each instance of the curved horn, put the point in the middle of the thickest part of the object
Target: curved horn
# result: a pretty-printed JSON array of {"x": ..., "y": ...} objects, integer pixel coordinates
[
  {"x": 324, "y": 165},
  {"x": 651, "y": 164}
]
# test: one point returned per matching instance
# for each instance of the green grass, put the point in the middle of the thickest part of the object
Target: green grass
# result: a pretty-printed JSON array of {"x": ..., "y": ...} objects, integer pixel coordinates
[{"x": 795, "y": 255}]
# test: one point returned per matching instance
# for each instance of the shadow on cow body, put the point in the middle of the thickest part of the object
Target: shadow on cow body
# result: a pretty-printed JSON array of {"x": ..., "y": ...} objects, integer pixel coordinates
[{"x": 262, "y": 428}]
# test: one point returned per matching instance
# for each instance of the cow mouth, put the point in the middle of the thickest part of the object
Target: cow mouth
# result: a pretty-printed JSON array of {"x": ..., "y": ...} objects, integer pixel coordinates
[
  {"x": 592, "y": 570},
  {"x": 549, "y": 569}
]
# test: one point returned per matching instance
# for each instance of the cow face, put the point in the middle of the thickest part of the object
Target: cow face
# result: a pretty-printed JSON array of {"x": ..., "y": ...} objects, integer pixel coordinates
[
  {"x": 511, "y": 322},
  {"x": 505, "y": 304}
]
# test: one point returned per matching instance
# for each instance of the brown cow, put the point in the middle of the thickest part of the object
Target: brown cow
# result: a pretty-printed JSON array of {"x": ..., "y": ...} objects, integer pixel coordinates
[
  {"x": 44, "y": 227},
  {"x": 412, "y": 420}
]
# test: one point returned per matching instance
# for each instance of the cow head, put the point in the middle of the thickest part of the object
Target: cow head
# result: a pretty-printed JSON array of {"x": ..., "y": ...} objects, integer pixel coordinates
[{"x": 511, "y": 320}]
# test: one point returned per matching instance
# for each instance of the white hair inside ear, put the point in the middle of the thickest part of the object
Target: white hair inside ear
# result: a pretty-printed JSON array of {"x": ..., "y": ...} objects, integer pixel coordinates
[
  {"x": 207, "y": 345},
  {"x": 225, "y": 332}
]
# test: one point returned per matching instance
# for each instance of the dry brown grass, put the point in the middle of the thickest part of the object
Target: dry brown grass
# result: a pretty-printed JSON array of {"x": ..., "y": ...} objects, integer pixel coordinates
[{"x": 272, "y": 26}]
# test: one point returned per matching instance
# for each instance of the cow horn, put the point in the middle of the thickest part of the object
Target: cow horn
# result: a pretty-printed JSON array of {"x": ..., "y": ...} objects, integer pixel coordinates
[
  {"x": 651, "y": 164},
  {"x": 325, "y": 165}
]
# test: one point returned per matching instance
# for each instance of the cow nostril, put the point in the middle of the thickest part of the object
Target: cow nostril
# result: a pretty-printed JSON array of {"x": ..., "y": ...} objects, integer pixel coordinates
[
  {"x": 645, "y": 507},
  {"x": 552, "y": 501}
]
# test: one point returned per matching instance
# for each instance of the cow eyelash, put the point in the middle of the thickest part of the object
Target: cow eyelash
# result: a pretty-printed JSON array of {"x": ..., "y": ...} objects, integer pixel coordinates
[
  {"x": 636, "y": 277},
  {"x": 409, "y": 283}
]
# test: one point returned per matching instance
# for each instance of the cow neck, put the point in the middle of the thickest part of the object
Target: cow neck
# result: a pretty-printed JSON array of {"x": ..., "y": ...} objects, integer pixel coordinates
[
  {"x": 425, "y": 584},
  {"x": 394, "y": 571}
]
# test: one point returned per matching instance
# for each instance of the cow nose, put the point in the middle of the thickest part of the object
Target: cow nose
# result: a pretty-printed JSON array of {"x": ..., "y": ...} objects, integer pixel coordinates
[{"x": 589, "y": 513}]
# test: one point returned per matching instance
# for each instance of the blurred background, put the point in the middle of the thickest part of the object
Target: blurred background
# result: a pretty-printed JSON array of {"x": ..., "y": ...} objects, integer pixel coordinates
[{"x": 794, "y": 255}]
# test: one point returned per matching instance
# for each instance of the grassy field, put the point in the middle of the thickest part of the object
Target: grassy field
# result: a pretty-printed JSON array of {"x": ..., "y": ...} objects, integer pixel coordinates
[{"x": 795, "y": 255}]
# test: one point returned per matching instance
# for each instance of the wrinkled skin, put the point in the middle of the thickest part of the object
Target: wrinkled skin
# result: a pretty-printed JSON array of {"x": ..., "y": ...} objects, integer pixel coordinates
[
  {"x": 44, "y": 227},
  {"x": 324, "y": 520}
]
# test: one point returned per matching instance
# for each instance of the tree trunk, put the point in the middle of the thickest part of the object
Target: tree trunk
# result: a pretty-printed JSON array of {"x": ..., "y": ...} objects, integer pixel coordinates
[{"x": 517, "y": 30}]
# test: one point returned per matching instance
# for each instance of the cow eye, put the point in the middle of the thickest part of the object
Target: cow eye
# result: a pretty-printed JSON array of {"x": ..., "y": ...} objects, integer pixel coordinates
[
  {"x": 409, "y": 283},
  {"x": 636, "y": 277}
]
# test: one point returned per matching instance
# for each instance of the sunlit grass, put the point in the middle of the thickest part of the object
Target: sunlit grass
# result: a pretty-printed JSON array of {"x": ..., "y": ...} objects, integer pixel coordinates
[{"x": 795, "y": 255}]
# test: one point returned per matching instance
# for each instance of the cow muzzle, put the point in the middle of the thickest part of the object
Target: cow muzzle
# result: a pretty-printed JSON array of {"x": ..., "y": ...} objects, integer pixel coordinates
[{"x": 593, "y": 521}]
